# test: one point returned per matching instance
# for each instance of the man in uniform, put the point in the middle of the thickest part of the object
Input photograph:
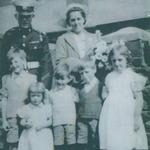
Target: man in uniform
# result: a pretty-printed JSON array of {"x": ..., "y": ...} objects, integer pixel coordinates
[{"x": 34, "y": 43}]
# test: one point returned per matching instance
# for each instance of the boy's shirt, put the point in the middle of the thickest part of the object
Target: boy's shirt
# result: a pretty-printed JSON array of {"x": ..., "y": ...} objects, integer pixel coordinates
[
  {"x": 90, "y": 101},
  {"x": 63, "y": 105},
  {"x": 16, "y": 91}
]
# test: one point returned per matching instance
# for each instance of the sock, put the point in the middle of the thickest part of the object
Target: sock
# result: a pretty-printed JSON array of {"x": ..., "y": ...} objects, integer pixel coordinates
[
  {"x": 82, "y": 147},
  {"x": 59, "y": 147},
  {"x": 72, "y": 147}
]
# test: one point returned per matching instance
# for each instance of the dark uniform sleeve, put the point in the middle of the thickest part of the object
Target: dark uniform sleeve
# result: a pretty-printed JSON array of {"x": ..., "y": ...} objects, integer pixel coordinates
[
  {"x": 46, "y": 67},
  {"x": 0, "y": 61},
  {"x": 6, "y": 43},
  {"x": 4, "y": 49}
]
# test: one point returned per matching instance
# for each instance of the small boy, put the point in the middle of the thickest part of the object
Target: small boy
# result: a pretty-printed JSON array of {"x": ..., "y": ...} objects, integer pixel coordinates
[
  {"x": 89, "y": 108},
  {"x": 14, "y": 91},
  {"x": 63, "y": 98}
]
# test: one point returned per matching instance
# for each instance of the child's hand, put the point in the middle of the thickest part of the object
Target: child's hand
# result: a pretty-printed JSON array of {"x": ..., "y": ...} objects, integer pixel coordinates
[
  {"x": 5, "y": 125},
  {"x": 38, "y": 128},
  {"x": 28, "y": 124},
  {"x": 136, "y": 124}
]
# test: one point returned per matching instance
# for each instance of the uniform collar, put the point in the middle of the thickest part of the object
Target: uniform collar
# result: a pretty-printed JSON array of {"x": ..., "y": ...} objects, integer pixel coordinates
[{"x": 25, "y": 30}]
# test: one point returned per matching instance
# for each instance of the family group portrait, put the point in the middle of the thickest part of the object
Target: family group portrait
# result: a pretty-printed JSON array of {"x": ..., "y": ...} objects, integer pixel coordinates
[{"x": 74, "y": 75}]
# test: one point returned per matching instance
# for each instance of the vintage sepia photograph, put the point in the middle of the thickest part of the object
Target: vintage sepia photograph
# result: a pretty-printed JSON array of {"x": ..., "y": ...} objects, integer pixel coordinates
[{"x": 74, "y": 74}]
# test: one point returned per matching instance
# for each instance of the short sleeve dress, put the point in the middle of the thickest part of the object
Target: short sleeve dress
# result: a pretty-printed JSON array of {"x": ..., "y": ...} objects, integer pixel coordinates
[
  {"x": 31, "y": 139},
  {"x": 116, "y": 127}
]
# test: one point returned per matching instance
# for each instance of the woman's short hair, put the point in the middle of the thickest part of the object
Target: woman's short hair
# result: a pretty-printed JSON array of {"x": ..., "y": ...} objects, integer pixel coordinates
[
  {"x": 123, "y": 50},
  {"x": 73, "y": 9}
]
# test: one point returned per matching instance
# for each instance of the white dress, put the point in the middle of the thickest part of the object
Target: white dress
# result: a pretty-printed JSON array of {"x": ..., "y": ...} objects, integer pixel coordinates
[
  {"x": 31, "y": 139},
  {"x": 116, "y": 128}
]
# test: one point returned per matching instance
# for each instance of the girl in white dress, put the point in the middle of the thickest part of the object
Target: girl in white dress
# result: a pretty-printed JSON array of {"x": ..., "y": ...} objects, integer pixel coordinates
[
  {"x": 36, "y": 118},
  {"x": 121, "y": 126}
]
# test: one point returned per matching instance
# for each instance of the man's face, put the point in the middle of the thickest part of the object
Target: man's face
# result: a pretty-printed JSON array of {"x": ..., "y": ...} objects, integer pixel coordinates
[{"x": 24, "y": 20}]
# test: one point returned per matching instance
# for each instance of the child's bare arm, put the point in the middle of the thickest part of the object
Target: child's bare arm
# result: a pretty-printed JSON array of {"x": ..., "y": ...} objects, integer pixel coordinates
[
  {"x": 46, "y": 120},
  {"x": 4, "y": 98},
  {"x": 138, "y": 109},
  {"x": 4, "y": 119},
  {"x": 44, "y": 124},
  {"x": 137, "y": 88},
  {"x": 104, "y": 92}
]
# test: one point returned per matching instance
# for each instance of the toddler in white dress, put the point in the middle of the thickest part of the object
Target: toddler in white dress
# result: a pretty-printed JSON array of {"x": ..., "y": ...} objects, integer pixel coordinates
[{"x": 36, "y": 119}]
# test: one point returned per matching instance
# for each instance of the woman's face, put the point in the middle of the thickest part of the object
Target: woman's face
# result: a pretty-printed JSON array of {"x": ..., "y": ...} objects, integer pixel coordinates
[
  {"x": 76, "y": 21},
  {"x": 119, "y": 62},
  {"x": 25, "y": 20}
]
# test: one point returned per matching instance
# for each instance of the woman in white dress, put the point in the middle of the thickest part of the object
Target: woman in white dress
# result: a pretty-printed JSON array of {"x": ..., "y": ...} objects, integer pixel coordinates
[
  {"x": 36, "y": 118},
  {"x": 121, "y": 126}
]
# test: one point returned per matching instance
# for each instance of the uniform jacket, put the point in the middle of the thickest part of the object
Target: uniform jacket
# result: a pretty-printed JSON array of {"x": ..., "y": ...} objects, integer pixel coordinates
[
  {"x": 66, "y": 46},
  {"x": 35, "y": 44}
]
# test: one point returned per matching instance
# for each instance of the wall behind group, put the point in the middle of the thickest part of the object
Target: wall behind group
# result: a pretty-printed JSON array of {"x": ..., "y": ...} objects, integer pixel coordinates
[{"x": 50, "y": 14}]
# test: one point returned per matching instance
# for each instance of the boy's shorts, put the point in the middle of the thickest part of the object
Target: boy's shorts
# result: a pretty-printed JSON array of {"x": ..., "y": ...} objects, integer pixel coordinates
[
  {"x": 13, "y": 131},
  {"x": 64, "y": 134},
  {"x": 85, "y": 130}
]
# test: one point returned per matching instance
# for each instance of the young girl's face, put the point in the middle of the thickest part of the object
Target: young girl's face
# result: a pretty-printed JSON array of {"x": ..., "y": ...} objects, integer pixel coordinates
[
  {"x": 62, "y": 81},
  {"x": 119, "y": 62},
  {"x": 17, "y": 64},
  {"x": 36, "y": 98}
]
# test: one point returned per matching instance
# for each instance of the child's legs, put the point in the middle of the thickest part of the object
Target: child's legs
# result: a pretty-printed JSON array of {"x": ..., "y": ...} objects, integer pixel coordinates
[
  {"x": 59, "y": 135},
  {"x": 60, "y": 147},
  {"x": 82, "y": 135},
  {"x": 13, "y": 146},
  {"x": 3, "y": 144},
  {"x": 70, "y": 136},
  {"x": 93, "y": 139},
  {"x": 12, "y": 136}
]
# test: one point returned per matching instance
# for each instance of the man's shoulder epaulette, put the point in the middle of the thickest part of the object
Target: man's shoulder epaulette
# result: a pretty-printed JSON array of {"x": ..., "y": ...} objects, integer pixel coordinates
[{"x": 11, "y": 31}]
